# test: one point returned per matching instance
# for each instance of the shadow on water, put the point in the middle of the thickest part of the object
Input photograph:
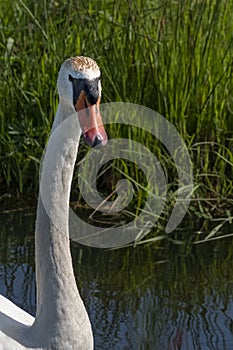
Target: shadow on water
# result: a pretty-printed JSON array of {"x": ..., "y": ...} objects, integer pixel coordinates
[{"x": 159, "y": 297}]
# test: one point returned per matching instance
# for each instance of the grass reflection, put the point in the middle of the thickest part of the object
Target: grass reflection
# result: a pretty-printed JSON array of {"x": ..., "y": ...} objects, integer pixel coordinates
[{"x": 162, "y": 296}]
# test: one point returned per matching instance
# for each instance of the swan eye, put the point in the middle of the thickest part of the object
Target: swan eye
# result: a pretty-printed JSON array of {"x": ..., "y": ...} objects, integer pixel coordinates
[{"x": 70, "y": 78}]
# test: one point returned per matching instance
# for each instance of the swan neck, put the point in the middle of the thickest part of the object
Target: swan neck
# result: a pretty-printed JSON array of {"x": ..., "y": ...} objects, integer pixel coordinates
[
  {"x": 58, "y": 299},
  {"x": 64, "y": 111}
]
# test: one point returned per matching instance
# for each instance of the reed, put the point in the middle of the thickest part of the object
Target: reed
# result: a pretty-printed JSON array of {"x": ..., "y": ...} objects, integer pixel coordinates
[{"x": 172, "y": 56}]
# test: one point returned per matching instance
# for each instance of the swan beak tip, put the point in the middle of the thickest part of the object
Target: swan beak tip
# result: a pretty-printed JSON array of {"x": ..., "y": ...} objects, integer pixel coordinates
[{"x": 95, "y": 139}]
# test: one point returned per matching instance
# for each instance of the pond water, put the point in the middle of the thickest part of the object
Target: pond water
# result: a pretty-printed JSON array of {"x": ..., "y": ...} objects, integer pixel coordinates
[{"x": 162, "y": 297}]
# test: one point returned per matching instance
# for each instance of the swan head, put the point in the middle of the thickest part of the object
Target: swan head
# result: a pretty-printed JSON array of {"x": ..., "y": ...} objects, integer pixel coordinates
[{"x": 79, "y": 86}]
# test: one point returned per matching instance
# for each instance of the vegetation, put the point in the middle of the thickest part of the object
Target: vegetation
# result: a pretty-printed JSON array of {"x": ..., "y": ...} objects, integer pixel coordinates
[{"x": 172, "y": 56}]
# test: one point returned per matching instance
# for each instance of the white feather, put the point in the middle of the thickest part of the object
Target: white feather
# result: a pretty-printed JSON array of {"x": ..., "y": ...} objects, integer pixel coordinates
[{"x": 61, "y": 321}]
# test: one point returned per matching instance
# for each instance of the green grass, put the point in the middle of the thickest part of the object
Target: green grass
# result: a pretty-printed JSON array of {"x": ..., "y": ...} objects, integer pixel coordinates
[{"x": 172, "y": 56}]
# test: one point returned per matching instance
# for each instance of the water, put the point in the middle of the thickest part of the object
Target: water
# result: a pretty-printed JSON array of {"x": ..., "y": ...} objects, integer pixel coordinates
[{"x": 160, "y": 298}]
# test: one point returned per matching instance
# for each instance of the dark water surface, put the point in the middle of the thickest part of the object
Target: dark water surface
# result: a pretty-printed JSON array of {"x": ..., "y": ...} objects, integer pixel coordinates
[{"x": 160, "y": 298}]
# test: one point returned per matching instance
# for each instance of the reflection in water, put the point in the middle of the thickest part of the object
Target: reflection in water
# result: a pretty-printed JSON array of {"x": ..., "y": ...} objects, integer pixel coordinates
[{"x": 134, "y": 301}]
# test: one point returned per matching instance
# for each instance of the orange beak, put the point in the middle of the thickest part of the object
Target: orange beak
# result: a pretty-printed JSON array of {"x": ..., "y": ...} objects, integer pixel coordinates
[{"x": 91, "y": 121}]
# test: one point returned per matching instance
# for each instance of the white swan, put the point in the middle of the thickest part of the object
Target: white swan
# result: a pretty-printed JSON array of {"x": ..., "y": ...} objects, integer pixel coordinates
[{"x": 61, "y": 321}]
